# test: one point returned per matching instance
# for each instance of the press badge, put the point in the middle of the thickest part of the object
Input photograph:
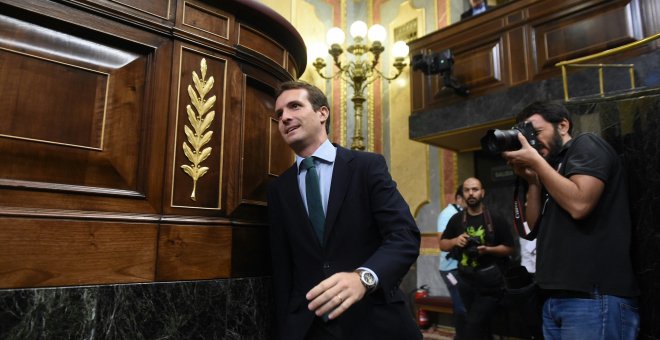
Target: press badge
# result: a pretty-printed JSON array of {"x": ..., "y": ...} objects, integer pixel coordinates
[{"x": 452, "y": 279}]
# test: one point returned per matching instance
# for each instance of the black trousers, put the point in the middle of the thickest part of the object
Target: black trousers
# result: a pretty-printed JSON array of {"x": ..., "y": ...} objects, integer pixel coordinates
[{"x": 481, "y": 306}]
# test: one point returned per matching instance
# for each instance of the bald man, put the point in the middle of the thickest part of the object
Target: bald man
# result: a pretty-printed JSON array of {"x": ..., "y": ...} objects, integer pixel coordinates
[{"x": 481, "y": 241}]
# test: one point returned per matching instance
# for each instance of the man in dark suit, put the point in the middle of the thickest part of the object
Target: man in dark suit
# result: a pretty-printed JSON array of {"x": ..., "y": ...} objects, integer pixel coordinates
[
  {"x": 476, "y": 7},
  {"x": 337, "y": 276}
]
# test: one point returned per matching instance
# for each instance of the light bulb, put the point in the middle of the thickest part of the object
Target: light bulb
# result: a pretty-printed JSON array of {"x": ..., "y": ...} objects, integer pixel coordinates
[
  {"x": 358, "y": 29},
  {"x": 335, "y": 36},
  {"x": 400, "y": 49},
  {"x": 377, "y": 33}
]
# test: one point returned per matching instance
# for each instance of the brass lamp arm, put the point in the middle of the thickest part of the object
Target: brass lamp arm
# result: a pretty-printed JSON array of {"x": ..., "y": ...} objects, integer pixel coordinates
[{"x": 398, "y": 64}]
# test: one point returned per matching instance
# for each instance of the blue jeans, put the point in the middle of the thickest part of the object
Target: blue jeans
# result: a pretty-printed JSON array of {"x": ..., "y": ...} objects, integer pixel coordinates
[
  {"x": 460, "y": 314},
  {"x": 603, "y": 317}
]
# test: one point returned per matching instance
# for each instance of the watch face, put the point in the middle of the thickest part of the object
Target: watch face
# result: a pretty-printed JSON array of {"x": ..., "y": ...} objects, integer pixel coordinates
[{"x": 368, "y": 278}]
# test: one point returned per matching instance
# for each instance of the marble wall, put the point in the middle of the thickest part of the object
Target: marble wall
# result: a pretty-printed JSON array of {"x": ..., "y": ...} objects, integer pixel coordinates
[{"x": 213, "y": 309}]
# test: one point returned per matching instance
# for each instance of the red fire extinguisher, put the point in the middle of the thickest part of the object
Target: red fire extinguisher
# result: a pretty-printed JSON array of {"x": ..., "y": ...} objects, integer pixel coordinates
[{"x": 422, "y": 317}]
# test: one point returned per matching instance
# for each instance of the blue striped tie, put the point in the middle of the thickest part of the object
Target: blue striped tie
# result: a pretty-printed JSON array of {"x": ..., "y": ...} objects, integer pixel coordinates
[{"x": 313, "y": 193}]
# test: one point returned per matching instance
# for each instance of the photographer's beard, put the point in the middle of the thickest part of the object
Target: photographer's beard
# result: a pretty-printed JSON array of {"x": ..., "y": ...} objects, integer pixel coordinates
[
  {"x": 473, "y": 202},
  {"x": 554, "y": 148}
]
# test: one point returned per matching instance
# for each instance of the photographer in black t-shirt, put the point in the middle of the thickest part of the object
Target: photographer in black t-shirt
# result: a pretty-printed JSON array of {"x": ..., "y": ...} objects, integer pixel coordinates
[
  {"x": 577, "y": 205},
  {"x": 481, "y": 242}
]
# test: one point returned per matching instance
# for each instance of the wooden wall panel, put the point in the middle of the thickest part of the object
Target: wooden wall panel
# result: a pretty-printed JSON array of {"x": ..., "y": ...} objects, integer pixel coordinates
[
  {"x": 45, "y": 84},
  {"x": 93, "y": 118},
  {"x": 207, "y": 21},
  {"x": 257, "y": 124},
  {"x": 250, "y": 251},
  {"x": 77, "y": 114},
  {"x": 160, "y": 8},
  {"x": 567, "y": 39},
  {"x": 256, "y": 41},
  {"x": 194, "y": 252},
  {"x": 518, "y": 63},
  {"x": 481, "y": 66},
  {"x": 69, "y": 252},
  {"x": 280, "y": 156},
  {"x": 208, "y": 189}
]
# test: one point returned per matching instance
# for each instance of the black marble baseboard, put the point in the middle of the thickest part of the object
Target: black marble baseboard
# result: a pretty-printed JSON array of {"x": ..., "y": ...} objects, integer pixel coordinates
[{"x": 214, "y": 309}]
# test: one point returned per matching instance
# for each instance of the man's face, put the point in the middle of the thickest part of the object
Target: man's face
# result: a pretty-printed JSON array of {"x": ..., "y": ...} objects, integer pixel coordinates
[
  {"x": 473, "y": 192},
  {"x": 548, "y": 136},
  {"x": 299, "y": 125},
  {"x": 476, "y": 3},
  {"x": 460, "y": 201}
]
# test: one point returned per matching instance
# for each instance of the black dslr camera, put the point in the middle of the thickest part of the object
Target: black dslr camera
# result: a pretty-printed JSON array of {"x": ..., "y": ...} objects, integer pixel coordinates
[
  {"x": 497, "y": 141},
  {"x": 471, "y": 249}
]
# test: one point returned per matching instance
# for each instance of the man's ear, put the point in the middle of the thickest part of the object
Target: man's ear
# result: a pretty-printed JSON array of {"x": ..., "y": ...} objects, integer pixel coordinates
[
  {"x": 325, "y": 113},
  {"x": 563, "y": 126}
]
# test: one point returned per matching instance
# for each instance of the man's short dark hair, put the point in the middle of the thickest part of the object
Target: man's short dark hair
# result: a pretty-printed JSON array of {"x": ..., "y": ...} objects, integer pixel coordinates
[
  {"x": 552, "y": 112},
  {"x": 316, "y": 97}
]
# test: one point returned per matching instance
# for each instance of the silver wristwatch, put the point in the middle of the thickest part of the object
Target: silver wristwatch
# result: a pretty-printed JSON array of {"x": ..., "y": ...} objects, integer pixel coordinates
[{"x": 367, "y": 278}]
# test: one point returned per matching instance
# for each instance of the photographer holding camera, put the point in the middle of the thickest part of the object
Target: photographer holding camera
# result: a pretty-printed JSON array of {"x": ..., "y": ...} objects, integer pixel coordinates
[
  {"x": 482, "y": 243},
  {"x": 577, "y": 207}
]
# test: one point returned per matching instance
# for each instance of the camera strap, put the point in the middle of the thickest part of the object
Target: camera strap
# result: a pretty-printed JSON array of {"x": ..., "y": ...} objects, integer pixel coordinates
[
  {"x": 519, "y": 220},
  {"x": 519, "y": 200}
]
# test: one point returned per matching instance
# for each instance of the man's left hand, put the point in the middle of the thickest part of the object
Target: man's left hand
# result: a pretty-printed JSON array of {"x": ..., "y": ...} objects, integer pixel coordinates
[{"x": 336, "y": 294}]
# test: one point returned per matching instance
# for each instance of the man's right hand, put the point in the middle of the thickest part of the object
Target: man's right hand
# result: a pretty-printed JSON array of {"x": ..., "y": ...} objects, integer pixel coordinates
[{"x": 461, "y": 240}]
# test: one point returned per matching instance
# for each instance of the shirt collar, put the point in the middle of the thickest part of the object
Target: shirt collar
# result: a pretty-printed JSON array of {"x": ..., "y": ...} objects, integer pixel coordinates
[{"x": 326, "y": 153}]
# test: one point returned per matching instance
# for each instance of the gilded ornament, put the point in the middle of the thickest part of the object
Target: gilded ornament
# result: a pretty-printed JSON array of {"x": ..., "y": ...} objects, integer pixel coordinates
[{"x": 200, "y": 118}]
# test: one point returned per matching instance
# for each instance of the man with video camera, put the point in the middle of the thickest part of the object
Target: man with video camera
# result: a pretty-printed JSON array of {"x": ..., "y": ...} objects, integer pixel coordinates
[
  {"x": 481, "y": 242},
  {"x": 577, "y": 207}
]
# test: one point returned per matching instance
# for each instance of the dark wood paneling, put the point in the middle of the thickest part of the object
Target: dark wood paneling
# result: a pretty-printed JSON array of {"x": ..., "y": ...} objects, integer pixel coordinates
[
  {"x": 208, "y": 22},
  {"x": 194, "y": 252},
  {"x": 582, "y": 35},
  {"x": 523, "y": 40},
  {"x": 209, "y": 186},
  {"x": 92, "y": 134},
  {"x": 160, "y": 8},
  {"x": 78, "y": 115},
  {"x": 250, "y": 252},
  {"x": 480, "y": 67},
  {"x": 53, "y": 83},
  {"x": 258, "y": 156},
  {"x": 261, "y": 44},
  {"x": 67, "y": 252},
  {"x": 517, "y": 56}
]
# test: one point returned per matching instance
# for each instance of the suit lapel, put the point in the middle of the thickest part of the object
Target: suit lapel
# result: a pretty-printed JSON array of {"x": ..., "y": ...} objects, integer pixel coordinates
[{"x": 341, "y": 177}]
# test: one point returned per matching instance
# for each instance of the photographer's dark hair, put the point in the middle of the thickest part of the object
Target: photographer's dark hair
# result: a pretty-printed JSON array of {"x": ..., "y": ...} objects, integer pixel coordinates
[
  {"x": 552, "y": 112},
  {"x": 316, "y": 97}
]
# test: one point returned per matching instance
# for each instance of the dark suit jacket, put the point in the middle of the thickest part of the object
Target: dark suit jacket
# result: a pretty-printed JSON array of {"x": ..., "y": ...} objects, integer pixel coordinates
[
  {"x": 368, "y": 224},
  {"x": 468, "y": 13}
]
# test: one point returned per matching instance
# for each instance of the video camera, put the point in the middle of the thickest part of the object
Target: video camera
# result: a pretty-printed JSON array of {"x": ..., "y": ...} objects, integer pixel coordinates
[{"x": 433, "y": 62}]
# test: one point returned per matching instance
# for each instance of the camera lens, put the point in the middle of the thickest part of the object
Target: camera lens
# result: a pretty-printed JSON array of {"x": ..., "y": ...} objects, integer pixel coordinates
[{"x": 496, "y": 141}]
